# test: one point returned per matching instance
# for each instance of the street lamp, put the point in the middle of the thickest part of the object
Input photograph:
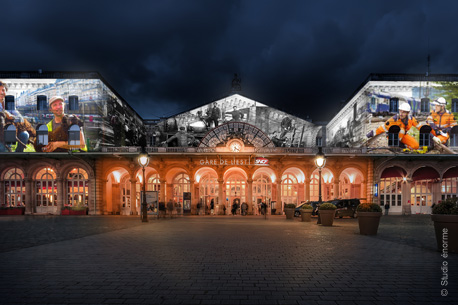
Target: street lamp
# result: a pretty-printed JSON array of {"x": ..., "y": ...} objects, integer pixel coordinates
[
  {"x": 320, "y": 162},
  {"x": 143, "y": 160}
]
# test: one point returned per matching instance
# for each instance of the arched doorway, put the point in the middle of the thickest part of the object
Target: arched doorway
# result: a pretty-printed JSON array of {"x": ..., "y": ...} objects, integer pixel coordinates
[
  {"x": 46, "y": 191},
  {"x": 292, "y": 186},
  {"x": 235, "y": 189},
  {"x": 118, "y": 192},
  {"x": 262, "y": 188},
  {"x": 449, "y": 185},
  {"x": 181, "y": 189},
  {"x": 327, "y": 189},
  {"x": 350, "y": 183},
  {"x": 153, "y": 184},
  {"x": 208, "y": 191},
  {"x": 422, "y": 188},
  {"x": 14, "y": 188},
  {"x": 77, "y": 188},
  {"x": 390, "y": 189}
]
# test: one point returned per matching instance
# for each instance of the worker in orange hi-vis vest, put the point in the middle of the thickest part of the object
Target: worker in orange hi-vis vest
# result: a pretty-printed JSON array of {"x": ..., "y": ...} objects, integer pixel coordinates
[
  {"x": 405, "y": 121},
  {"x": 441, "y": 122}
]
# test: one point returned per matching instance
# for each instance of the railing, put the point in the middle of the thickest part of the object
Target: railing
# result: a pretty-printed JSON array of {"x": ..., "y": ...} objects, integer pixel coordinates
[{"x": 260, "y": 150}]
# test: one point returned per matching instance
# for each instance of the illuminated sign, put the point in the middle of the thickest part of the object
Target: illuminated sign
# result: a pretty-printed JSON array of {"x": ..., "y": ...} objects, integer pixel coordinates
[
  {"x": 261, "y": 161},
  {"x": 233, "y": 161}
]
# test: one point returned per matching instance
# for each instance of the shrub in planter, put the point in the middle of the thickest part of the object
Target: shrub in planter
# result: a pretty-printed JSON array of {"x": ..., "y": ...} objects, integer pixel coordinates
[
  {"x": 76, "y": 210},
  {"x": 20, "y": 210},
  {"x": 289, "y": 210},
  {"x": 327, "y": 213},
  {"x": 445, "y": 217},
  {"x": 369, "y": 218},
  {"x": 306, "y": 212}
]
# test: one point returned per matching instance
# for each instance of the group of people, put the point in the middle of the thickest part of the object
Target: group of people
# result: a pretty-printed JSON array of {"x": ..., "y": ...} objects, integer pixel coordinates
[
  {"x": 440, "y": 120},
  {"x": 26, "y": 134}
]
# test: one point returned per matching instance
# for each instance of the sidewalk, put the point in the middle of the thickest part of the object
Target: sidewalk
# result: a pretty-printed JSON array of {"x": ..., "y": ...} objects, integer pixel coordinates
[{"x": 220, "y": 260}]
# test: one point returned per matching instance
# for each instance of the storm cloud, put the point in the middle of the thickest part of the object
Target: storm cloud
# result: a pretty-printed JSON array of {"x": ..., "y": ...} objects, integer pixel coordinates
[{"x": 164, "y": 57}]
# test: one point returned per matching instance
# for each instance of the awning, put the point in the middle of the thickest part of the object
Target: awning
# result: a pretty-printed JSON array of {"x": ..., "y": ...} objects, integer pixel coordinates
[
  {"x": 451, "y": 173},
  {"x": 425, "y": 173},
  {"x": 393, "y": 172}
]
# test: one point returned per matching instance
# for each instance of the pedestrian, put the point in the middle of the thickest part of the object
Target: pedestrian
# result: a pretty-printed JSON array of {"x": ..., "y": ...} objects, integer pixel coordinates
[
  {"x": 198, "y": 208},
  {"x": 263, "y": 208},
  {"x": 212, "y": 206},
  {"x": 244, "y": 208},
  {"x": 234, "y": 208},
  {"x": 387, "y": 207},
  {"x": 170, "y": 208},
  {"x": 255, "y": 209}
]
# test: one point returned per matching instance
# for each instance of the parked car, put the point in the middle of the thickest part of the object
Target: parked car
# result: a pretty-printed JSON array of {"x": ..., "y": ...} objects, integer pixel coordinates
[
  {"x": 345, "y": 207},
  {"x": 314, "y": 204}
]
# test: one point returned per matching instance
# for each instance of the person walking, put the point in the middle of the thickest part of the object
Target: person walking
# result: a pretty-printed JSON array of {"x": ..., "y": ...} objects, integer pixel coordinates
[
  {"x": 170, "y": 208},
  {"x": 244, "y": 208},
  {"x": 212, "y": 206},
  {"x": 387, "y": 208}
]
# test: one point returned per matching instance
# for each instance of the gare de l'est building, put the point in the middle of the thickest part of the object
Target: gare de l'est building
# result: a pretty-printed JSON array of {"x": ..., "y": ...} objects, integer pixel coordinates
[{"x": 232, "y": 149}]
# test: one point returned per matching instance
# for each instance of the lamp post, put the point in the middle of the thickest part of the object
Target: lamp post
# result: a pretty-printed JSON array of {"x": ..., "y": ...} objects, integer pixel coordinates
[
  {"x": 320, "y": 162},
  {"x": 143, "y": 161}
]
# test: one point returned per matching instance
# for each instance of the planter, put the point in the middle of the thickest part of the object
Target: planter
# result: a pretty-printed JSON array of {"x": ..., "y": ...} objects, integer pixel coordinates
[
  {"x": 368, "y": 222},
  {"x": 327, "y": 217},
  {"x": 289, "y": 213},
  {"x": 73, "y": 212},
  {"x": 12, "y": 211},
  {"x": 306, "y": 215},
  {"x": 446, "y": 228}
]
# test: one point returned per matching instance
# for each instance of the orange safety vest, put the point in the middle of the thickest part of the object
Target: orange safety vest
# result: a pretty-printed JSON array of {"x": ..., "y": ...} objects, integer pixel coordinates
[
  {"x": 441, "y": 121},
  {"x": 396, "y": 121}
]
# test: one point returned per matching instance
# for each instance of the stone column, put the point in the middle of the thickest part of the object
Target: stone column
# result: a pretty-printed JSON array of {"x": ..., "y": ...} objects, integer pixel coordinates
[
  {"x": 249, "y": 198},
  {"x": 169, "y": 187},
  {"x": 103, "y": 209},
  {"x": 300, "y": 192},
  {"x": 28, "y": 196},
  {"x": 221, "y": 199},
  {"x": 278, "y": 204},
  {"x": 2, "y": 193},
  {"x": 307, "y": 189},
  {"x": 60, "y": 195},
  {"x": 336, "y": 189},
  {"x": 133, "y": 196},
  {"x": 115, "y": 199},
  {"x": 163, "y": 190},
  {"x": 406, "y": 202},
  {"x": 364, "y": 193},
  {"x": 370, "y": 182}
]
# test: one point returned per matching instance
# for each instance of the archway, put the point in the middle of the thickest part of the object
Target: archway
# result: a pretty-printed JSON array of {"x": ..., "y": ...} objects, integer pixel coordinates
[
  {"x": 262, "y": 188},
  {"x": 235, "y": 189},
  {"x": 13, "y": 192},
  {"x": 46, "y": 191},
  {"x": 350, "y": 181},
  {"x": 327, "y": 181},
  {"x": 118, "y": 192},
  {"x": 390, "y": 188},
  {"x": 208, "y": 189},
  {"x": 449, "y": 183},
  {"x": 422, "y": 189}
]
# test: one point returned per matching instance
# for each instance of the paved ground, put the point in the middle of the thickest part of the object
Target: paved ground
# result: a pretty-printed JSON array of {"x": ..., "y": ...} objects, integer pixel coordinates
[{"x": 220, "y": 260}]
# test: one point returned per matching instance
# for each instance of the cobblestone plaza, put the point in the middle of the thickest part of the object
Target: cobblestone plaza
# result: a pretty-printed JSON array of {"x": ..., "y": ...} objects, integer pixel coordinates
[{"x": 220, "y": 260}]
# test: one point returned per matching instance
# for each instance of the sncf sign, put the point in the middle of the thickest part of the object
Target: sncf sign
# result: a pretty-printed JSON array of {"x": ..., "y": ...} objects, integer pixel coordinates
[{"x": 261, "y": 161}]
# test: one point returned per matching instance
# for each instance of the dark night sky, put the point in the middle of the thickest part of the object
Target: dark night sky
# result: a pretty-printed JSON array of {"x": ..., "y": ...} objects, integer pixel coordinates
[{"x": 164, "y": 57}]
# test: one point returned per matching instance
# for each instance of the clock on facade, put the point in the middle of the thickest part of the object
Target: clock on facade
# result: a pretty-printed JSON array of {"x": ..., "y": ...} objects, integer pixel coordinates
[{"x": 235, "y": 147}]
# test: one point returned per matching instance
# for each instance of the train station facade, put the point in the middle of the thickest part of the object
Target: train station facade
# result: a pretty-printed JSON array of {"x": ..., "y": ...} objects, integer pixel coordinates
[{"x": 233, "y": 149}]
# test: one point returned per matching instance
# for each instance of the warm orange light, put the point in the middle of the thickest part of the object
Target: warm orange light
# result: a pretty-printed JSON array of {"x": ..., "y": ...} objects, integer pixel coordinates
[{"x": 117, "y": 176}]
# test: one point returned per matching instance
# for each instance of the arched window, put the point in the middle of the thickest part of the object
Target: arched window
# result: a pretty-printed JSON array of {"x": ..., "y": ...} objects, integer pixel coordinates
[
  {"x": 394, "y": 104},
  {"x": 77, "y": 188},
  {"x": 181, "y": 184},
  {"x": 424, "y": 106},
  {"x": 42, "y": 103},
  {"x": 10, "y": 134},
  {"x": 393, "y": 136},
  {"x": 424, "y": 135},
  {"x": 289, "y": 189},
  {"x": 46, "y": 189},
  {"x": 208, "y": 190},
  {"x": 9, "y": 103},
  {"x": 73, "y": 103},
  {"x": 42, "y": 135},
  {"x": 262, "y": 186},
  {"x": 154, "y": 184},
  {"x": 125, "y": 187},
  {"x": 74, "y": 135},
  {"x": 14, "y": 188}
]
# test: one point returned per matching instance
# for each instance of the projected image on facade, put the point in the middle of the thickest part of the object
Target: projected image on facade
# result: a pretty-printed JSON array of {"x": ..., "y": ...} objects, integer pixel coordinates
[
  {"x": 61, "y": 115},
  {"x": 189, "y": 128},
  {"x": 399, "y": 117}
]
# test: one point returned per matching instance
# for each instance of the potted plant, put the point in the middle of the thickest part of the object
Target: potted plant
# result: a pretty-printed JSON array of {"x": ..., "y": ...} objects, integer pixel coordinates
[
  {"x": 289, "y": 210},
  {"x": 327, "y": 212},
  {"x": 11, "y": 210},
  {"x": 445, "y": 217},
  {"x": 74, "y": 210},
  {"x": 368, "y": 218},
  {"x": 306, "y": 212}
]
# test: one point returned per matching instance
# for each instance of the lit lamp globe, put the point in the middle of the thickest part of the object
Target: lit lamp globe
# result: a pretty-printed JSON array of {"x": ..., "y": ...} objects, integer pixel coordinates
[
  {"x": 320, "y": 159},
  {"x": 143, "y": 160}
]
